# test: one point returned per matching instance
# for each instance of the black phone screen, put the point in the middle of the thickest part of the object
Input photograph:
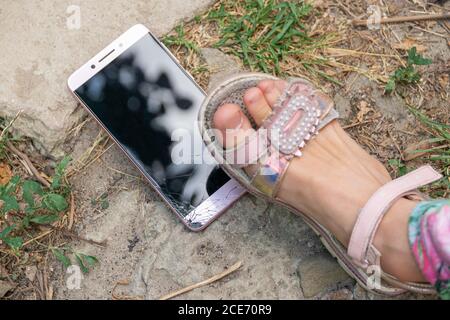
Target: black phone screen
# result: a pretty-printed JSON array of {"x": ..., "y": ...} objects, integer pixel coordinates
[{"x": 145, "y": 99}]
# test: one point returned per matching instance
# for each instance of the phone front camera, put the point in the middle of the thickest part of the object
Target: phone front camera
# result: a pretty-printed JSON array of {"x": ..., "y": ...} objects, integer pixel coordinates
[{"x": 93, "y": 66}]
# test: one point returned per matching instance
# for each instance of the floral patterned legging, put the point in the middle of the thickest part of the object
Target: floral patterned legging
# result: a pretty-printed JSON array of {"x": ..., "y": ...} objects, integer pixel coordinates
[{"x": 429, "y": 237}]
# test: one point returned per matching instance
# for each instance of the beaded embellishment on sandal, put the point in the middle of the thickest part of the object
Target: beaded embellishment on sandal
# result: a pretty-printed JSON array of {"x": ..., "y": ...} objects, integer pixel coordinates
[{"x": 294, "y": 119}]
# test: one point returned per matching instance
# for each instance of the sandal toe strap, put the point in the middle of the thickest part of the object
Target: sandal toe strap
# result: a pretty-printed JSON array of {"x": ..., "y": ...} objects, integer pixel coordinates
[
  {"x": 300, "y": 112},
  {"x": 360, "y": 248}
]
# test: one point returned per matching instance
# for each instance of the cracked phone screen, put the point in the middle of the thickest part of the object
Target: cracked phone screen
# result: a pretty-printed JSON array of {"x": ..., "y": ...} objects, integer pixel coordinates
[{"x": 144, "y": 99}]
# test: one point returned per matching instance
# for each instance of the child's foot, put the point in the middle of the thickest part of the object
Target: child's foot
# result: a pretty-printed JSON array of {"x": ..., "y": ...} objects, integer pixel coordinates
[{"x": 332, "y": 180}]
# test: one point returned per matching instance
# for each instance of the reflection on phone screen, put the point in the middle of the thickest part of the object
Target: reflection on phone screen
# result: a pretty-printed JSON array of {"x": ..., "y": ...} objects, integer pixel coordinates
[{"x": 141, "y": 98}]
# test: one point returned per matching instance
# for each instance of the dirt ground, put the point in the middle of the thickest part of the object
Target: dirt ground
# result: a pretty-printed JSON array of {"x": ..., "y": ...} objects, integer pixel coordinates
[{"x": 144, "y": 252}]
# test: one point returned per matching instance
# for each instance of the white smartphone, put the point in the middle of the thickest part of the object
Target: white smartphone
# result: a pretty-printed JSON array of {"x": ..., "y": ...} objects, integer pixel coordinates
[{"x": 138, "y": 92}]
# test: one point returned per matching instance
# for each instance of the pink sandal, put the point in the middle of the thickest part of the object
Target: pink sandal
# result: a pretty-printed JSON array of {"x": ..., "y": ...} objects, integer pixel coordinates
[{"x": 299, "y": 114}]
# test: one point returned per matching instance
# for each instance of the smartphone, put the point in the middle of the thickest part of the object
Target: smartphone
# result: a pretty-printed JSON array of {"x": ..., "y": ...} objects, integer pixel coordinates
[{"x": 138, "y": 92}]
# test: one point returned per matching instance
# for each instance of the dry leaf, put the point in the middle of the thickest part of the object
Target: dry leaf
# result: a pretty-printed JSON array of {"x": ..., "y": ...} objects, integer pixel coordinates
[
  {"x": 408, "y": 43},
  {"x": 410, "y": 151},
  {"x": 363, "y": 110},
  {"x": 6, "y": 286},
  {"x": 320, "y": 4},
  {"x": 5, "y": 173},
  {"x": 49, "y": 294},
  {"x": 443, "y": 81},
  {"x": 30, "y": 272}
]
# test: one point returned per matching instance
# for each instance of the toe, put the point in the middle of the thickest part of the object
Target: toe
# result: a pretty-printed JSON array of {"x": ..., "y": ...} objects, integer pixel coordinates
[
  {"x": 232, "y": 124},
  {"x": 257, "y": 104},
  {"x": 272, "y": 90}
]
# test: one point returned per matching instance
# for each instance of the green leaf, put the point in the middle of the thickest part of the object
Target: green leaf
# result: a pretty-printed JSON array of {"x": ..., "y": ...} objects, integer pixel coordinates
[
  {"x": 408, "y": 74},
  {"x": 80, "y": 262},
  {"x": 26, "y": 221},
  {"x": 401, "y": 167},
  {"x": 6, "y": 231},
  {"x": 59, "y": 254},
  {"x": 59, "y": 172},
  {"x": 390, "y": 85},
  {"x": 402, "y": 170},
  {"x": 44, "y": 219},
  {"x": 30, "y": 210},
  {"x": 411, "y": 55},
  {"x": 15, "y": 243},
  {"x": 10, "y": 204},
  {"x": 417, "y": 59},
  {"x": 54, "y": 202},
  {"x": 30, "y": 188},
  {"x": 394, "y": 162},
  {"x": 104, "y": 204},
  {"x": 90, "y": 260},
  {"x": 11, "y": 187}
]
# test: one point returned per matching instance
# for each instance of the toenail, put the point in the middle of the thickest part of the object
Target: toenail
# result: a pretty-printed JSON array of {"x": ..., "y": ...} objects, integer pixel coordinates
[
  {"x": 268, "y": 87},
  {"x": 252, "y": 95},
  {"x": 236, "y": 120}
]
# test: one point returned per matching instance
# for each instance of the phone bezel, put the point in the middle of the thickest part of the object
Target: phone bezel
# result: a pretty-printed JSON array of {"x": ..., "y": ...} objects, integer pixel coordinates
[{"x": 218, "y": 202}]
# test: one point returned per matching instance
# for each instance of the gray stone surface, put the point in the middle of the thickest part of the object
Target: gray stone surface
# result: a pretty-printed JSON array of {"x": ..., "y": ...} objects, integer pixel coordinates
[
  {"x": 390, "y": 106},
  {"x": 318, "y": 273},
  {"x": 220, "y": 65},
  {"x": 341, "y": 294},
  {"x": 342, "y": 106},
  {"x": 39, "y": 52}
]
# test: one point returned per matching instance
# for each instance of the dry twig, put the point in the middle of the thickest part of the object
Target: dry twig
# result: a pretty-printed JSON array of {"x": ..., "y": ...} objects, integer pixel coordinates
[
  {"x": 73, "y": 235},
  {"x": 423, "y": 17},
  {"x": 123, "y": 297},
  {"x": 215, "y": 278},
  {"x": 9, "y": 125},
  {"x": 30, "y": 165},
  {"x": 71, "y": 212},
  {"x": 396, "y": 145}
]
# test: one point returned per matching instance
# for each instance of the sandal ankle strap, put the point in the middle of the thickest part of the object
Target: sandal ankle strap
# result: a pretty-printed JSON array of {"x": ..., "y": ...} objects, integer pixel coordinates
[{"x": 360, "y": 247}]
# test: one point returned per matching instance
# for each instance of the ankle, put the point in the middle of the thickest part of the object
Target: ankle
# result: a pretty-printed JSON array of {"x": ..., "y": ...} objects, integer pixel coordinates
[
  {"x": 392, "y": 241},
  {"x": 394, "y": 225}
]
